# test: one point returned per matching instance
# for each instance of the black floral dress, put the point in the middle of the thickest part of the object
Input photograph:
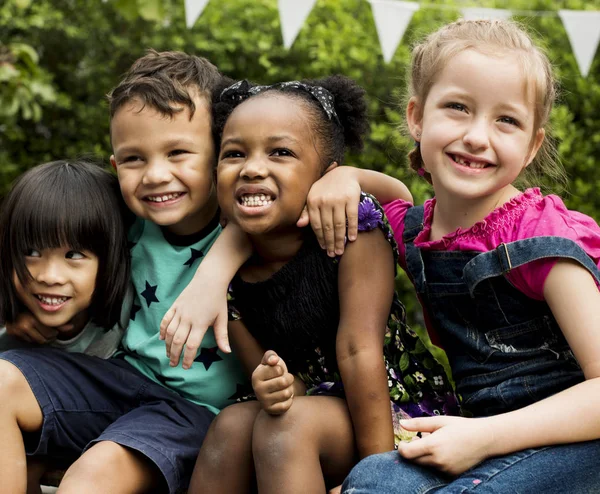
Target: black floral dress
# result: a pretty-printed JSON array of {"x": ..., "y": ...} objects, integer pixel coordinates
[{"x": 296, "y": 313}]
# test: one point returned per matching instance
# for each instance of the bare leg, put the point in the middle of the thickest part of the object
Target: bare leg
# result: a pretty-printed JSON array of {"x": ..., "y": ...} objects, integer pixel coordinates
[
  {"x": 110, "y": 468},
  {"x": 19, "y": 412},
  {"x": 224, "y": 464},
  {"x": 307, "y": 449}
]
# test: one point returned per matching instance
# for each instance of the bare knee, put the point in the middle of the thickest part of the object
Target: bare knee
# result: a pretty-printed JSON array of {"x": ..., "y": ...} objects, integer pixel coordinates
[
  {"x": 110, "y": 467},
  {"x": 229, "y": 434},
  {"x": 278, "y": 439}
]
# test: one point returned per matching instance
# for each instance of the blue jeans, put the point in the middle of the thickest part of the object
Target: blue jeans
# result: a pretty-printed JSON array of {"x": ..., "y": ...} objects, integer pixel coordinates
[{"x": 572, "y": 468}]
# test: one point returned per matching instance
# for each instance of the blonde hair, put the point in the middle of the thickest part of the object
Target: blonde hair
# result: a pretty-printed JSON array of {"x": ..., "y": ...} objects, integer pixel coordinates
[{"x": 431, "y": 56}]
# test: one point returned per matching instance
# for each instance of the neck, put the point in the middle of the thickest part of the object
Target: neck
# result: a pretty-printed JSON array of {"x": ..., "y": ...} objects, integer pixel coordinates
[
  {"x": 272, "y": 251},
  {"x": 451, "y": 213}
]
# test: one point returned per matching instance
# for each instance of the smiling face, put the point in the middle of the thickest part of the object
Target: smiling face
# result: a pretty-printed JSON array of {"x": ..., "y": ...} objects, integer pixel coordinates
[
  {"x": 267, "y": 163},
  {"x": 61, "y": 286},
  {"x": 476, "y": 128},
  {"x": 165, "y": 165}
]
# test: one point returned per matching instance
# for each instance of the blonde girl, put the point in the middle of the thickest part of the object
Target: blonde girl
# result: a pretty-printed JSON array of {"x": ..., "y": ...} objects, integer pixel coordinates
[{"x": 508, "y": 278}]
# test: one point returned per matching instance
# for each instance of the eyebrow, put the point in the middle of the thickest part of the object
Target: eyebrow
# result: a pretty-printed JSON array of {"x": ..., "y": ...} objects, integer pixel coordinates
[
  {"x": 173, "y": 143},
  {"x": 457, "y": 93},
  {"x": 270, "y": 139}
]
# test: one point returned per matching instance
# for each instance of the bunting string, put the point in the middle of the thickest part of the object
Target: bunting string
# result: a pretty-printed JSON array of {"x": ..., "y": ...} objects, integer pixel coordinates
[{"x": 392, "y": 17}]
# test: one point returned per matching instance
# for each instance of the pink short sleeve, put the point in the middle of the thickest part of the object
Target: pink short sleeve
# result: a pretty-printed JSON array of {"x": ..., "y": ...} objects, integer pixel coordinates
[
  {"x": 395, "y": 212},
  {"x": 550, "y": 217}
]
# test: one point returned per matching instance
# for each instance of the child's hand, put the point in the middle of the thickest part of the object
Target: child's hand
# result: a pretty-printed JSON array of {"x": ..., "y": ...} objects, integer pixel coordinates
[
  {"x": 273, "y": 384},
  {"x": 333, "y": 200},
  {"x": 28, "y": 328},
  {"x": 453, "y": 445},
  {"x": 188, "y": 319}
]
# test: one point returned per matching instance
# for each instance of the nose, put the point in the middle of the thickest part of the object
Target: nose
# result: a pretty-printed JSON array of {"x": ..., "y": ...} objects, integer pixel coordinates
[
  {"x": 477, "y": 134},
  {"x": 49, "y": 272},
  {"x": 254, "y": 168},
  {"x": 157, "y": 172}
]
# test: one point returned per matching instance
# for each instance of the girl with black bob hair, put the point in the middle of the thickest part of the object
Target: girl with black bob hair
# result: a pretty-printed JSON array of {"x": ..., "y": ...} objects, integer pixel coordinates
[
  {"x": 64, "y": 260},
  {"x": 301, "y": 322}
]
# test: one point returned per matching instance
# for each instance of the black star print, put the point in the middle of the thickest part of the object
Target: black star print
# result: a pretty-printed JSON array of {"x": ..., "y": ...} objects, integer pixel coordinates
[
  {"x": 208, "y": 356},
  {"x": 196, "y": 254},
  {"x": 150, "y": 293},
  {"x": 134, "y": 310}
]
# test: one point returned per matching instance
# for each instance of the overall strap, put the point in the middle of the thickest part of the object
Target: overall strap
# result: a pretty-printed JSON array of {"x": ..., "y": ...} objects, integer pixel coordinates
[
  {"x": 508, "y": 256},
  {"x": 413, "y": 224}
]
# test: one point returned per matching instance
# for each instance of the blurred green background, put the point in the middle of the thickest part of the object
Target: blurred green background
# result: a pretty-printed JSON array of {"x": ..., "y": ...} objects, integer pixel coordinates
[{"x": 58, "y": 59}]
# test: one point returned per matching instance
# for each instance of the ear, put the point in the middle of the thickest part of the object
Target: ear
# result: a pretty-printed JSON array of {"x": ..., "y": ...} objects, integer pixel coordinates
[
  {"x": 536, "y": 145},
  {"x": 113, "y": 162},
  {"x": 331, "y": 167},
  {"x": 414, "y": 118}
]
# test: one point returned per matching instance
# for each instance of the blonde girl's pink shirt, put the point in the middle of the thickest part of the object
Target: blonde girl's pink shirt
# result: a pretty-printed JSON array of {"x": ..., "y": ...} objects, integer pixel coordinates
[{"x": 527, "y": 215}]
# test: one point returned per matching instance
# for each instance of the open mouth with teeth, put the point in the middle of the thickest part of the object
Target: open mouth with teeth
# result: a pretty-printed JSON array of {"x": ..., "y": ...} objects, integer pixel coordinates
[
  {"x": 255, "y": 200},
  {"x": 476, "y": 165},
  {"x": 51, "y": 301},
  {"x": 164, "y": 197}
]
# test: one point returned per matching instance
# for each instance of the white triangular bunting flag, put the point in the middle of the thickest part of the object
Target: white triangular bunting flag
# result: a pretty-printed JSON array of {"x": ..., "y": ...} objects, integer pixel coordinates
[
  {"x": 193, "y": 9},
  {"x": 292, "y": 14},
  {"x": 483, "y": 13},
  {"x": 583, "y": 29},
  {"x": 391, "y": 19}
]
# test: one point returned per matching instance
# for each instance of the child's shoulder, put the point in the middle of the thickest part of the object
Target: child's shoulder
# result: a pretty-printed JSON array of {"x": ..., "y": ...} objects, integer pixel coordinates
[{"x": 549, "y": 216}]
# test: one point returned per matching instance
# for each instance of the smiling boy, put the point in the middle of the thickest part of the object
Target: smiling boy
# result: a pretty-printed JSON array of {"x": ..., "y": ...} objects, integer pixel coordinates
[{"x": 138, "y": 421}]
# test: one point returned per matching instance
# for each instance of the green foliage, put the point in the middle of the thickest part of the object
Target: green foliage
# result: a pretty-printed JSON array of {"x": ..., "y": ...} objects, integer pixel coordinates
[{"x": 58, "y": 58}]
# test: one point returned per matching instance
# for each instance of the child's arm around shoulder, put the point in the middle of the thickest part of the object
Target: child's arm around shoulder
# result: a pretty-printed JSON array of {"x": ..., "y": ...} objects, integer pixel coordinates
[
  {"x": 27, "y": 328},
  {"x": 334, "y": 198},
  {"x": 203, "y": 303},
  {"x": 366, "y": 288}
]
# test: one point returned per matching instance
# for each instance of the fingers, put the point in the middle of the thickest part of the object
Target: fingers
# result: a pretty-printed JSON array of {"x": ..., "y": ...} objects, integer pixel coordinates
[
  {"x": 314, "y": 214},
  {"x": 28, "y": 328},
  {"x": 304, "y": 218},
  {"x": 425, "y": 424},
  {"x": 164, "y": 324},
  {"x": 414, "y": 449},
  {"x": 270, "y": 358},
  {"x": 336, "y": 490},
  {"x": 339, "y": 229},
  {"x": 352, "y": 217},
  {"x": 170, "y": 332},
  {"x": 13, "y": 330},
  {"x": 220, "y": 329},
  {"x": 268, "y": 379},
  {"x": 177, "y": 342},
  {"x": 275, "y": 395},
  {"x": 192, "y": 345},
  {"x": 280, "y": 407}
]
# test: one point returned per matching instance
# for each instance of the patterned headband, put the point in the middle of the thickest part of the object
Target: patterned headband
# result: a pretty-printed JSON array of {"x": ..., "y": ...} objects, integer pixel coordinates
[{"x": 242, "y": 90}]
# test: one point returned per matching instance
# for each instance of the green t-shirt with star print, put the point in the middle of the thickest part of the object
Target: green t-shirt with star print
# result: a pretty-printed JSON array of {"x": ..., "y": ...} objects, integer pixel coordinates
[{"x": 162, "y": 265}]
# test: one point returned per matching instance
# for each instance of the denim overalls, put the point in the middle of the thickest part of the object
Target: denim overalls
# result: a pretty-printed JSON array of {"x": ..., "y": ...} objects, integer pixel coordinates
[{"x": 506, "y": 351}]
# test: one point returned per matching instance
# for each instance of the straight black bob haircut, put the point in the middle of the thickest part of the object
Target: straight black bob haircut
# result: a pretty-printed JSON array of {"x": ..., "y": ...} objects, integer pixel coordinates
[{"x": 66, "y": 203}]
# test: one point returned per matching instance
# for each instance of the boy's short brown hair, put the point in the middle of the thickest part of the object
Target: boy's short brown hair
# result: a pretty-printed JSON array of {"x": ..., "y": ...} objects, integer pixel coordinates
[{"x": 166, "y": 81}]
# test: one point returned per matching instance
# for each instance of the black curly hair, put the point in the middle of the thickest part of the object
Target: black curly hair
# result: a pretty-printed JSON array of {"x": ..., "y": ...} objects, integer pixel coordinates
[{"x": 334, "y": 135}]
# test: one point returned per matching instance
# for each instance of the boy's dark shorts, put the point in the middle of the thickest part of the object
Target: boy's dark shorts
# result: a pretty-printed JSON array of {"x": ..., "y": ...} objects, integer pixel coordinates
[{"x": 85, "y": 400}]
